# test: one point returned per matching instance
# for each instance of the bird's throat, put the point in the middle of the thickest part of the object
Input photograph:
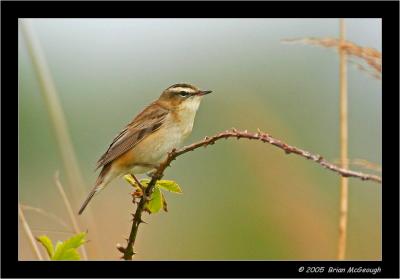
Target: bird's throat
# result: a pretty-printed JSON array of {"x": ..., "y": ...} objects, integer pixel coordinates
[{"x": 186, "y": 114}]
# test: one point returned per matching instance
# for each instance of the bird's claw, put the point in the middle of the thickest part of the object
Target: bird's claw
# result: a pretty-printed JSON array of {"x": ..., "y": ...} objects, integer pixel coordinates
[{"x": 151, "y": 173}]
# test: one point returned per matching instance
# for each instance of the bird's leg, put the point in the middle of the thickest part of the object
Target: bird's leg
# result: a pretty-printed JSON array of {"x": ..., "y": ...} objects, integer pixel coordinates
[{"x": 151, "y": 173}]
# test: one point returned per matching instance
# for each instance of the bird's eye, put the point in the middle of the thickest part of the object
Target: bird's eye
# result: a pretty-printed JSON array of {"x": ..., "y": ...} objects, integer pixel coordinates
[{"x": 183, "y": 94}]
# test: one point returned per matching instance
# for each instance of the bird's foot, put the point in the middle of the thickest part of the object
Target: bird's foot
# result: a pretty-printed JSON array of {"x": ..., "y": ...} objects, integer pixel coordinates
[{"x": 151, "y": 173}]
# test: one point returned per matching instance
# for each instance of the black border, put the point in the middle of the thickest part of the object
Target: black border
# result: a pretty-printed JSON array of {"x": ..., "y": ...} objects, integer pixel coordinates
[{"x": 11, "y": 11}]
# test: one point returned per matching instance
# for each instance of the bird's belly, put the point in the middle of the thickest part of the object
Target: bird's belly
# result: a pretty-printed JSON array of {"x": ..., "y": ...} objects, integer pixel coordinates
[{"x": 154, "y": 149}]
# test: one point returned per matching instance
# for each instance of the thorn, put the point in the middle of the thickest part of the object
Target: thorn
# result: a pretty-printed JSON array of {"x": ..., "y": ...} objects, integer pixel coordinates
[
  {"x": 259, "y": 131},
  {"x": 234, "y": 130},
  {"x": 287, "y": 148},
  {"x": 120, "y": 248}
]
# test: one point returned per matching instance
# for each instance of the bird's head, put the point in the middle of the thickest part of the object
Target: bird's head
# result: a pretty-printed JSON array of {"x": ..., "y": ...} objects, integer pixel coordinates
[{"x": 183, "y": 96}]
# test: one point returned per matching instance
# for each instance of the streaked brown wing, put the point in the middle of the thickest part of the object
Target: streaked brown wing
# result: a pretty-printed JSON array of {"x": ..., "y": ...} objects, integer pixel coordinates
[{"x": 144, "y": 124}]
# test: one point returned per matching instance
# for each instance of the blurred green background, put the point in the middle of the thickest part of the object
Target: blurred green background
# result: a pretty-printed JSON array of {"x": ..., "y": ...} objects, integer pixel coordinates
[{"x": 242, "y": 199}]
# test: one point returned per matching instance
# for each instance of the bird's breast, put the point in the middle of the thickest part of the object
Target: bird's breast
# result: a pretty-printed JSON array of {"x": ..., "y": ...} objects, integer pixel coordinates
[{"x": 154, "y": 148}]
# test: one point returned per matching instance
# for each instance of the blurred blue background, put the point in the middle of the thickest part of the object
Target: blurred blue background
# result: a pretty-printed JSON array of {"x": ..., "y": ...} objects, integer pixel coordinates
[{"x": 242, "y": 199}]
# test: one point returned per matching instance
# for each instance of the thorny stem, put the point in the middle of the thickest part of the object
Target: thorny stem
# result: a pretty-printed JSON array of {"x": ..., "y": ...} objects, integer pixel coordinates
[
  {"x": 261, "y": 136},
  {"x": 137, "y": 218}
]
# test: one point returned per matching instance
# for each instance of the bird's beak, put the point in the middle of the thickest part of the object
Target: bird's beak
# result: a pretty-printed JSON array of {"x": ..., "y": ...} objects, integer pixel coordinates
[{"x": 204, "y": 92}]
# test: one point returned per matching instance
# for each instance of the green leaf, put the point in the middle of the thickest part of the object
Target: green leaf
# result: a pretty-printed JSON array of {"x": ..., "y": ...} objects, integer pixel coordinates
[
  {"x": 155, "y": 203},
  {"x": 46, "y": 242},
  {"x": 67, "y": 250},
  {"x": 70, "y": 255},
  {"x": 145, "y": 182},
  {"x": 169, "y": 185},
  {"x": 58, "y": 244},
  {"x": 129, "y": 178}
]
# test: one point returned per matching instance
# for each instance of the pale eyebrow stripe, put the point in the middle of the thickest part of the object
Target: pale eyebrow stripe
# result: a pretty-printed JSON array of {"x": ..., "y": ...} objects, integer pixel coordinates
[{"x": 186, "y": 89}]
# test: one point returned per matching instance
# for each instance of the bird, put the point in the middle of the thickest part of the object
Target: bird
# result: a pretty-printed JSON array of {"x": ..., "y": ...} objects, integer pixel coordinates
[{"x": 144, "y": 143}]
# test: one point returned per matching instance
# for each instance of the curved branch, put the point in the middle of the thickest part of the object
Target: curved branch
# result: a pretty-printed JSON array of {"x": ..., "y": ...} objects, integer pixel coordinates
[{"x": 260, "y": 136}]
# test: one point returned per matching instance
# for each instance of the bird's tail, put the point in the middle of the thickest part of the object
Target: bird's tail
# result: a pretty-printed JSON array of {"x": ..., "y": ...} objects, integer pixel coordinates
[
  {"x": 103, "y": 179},
  {"x": 90, "y": 196}
]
